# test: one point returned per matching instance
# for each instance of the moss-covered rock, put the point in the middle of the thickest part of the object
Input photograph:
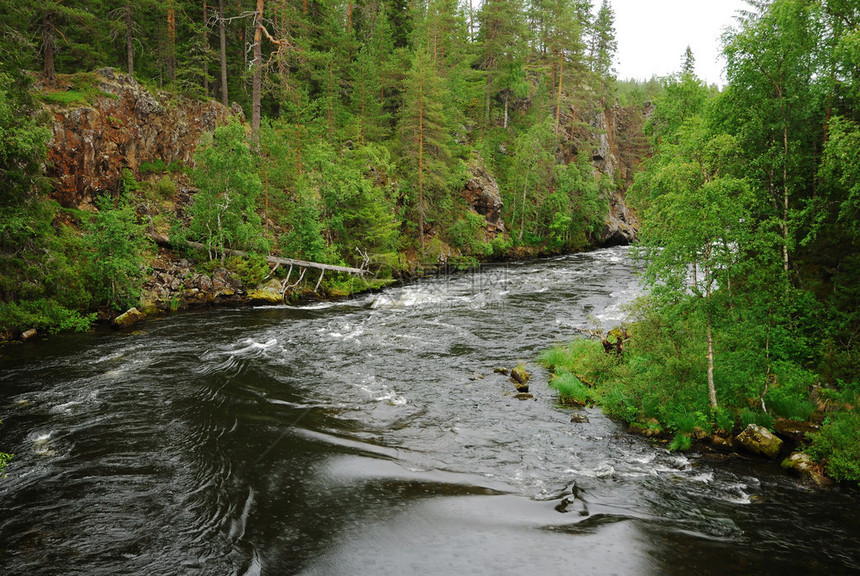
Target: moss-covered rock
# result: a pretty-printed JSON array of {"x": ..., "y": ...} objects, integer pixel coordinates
[
  {"x": 803, "y": 465},
  {"x": 268, "y": 293},
  {"x": 520, "y": 378},
  {"x": 759, "y": 440},
  {"x": 129, "y": 318}
]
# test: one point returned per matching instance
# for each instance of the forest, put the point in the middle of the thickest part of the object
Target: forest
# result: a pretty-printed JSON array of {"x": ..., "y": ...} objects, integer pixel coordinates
[{"x": 364, "y": 121}]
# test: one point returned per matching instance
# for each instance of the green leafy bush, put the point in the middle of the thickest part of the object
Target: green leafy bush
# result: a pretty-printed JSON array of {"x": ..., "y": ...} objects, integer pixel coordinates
[
  {"x": 224, "y": 213},
  {"x": 157, "y": 166},
  {"x": 251, "y": 269},
  {"x": 44, "y": 315},
  {"x": 837, "y": 444},
  {"x": 116, "y": 244}
]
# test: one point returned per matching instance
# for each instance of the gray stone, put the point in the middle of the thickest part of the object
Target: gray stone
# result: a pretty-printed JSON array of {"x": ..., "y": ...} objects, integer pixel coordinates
[{"x": 579, "y": 418}]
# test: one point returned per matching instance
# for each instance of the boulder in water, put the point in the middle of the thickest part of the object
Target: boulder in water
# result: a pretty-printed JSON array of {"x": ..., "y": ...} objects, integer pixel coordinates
[
  {"x": 29, "y": 335},
  {"x": 129, "y": 318},
  {"x": 579, "y": 418},
  {"x": 520, "y": 378},
  {"x": 803, "y": 465},
  {"x": 268, "y": 293},
  {"x": 759, "y": 440}
]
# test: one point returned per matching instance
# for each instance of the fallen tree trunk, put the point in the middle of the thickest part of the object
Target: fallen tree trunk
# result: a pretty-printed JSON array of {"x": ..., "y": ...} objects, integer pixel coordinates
[{"x": 162, "y": 240}]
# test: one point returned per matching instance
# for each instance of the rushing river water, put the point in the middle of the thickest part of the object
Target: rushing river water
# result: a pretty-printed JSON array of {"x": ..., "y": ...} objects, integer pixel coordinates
[{"x": 372, "y": 437}]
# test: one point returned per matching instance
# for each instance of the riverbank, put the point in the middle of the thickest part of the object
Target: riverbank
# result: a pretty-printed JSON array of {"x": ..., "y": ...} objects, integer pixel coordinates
[{"x": 812, "y": 432}]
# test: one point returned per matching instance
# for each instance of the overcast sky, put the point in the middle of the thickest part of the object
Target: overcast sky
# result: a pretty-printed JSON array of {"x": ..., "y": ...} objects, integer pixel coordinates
[{"x": 653, "y": 34}]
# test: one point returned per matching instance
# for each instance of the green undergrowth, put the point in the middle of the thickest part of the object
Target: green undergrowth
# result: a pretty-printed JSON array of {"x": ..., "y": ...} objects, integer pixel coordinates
[{"x": 74, "y": 89}]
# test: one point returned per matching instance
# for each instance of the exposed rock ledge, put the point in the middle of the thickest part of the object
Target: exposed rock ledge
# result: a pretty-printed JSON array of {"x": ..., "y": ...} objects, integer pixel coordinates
[{"x": 126, "y": 126}]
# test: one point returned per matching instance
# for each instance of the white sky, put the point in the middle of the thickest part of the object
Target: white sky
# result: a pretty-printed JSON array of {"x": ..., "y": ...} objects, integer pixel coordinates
[{"x": 653, "y": 34}]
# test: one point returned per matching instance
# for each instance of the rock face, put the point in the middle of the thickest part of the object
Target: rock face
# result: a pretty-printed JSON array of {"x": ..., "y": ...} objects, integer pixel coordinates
[
  {"x": 93, "y": 144},
  {"x": 759, "y": 440},
  {"x": 621, "y": 145},
  {"x": 622, "y": 226},
  {"x": 482, "y": 193}
]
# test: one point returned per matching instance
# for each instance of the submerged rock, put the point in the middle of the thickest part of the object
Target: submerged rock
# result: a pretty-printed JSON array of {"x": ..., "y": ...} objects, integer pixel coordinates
[
  {"x": 759, "y": 440},
  {"x": 129, "y": 318}
]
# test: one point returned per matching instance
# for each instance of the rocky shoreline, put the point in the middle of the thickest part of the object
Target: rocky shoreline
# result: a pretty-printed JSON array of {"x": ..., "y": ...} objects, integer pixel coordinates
[{"x": 783, "y": 445}]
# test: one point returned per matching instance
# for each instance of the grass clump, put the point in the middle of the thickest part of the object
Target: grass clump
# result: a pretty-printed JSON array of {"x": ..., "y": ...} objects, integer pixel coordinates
[{"x": 571, "y": 390}]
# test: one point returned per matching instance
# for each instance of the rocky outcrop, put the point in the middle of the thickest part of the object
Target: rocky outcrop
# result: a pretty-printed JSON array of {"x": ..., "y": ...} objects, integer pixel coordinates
[
  {"x": 620, "y": 147},
  {"x": 122, "y": 128},
  {"x": 759, "y": 440},
  {"x": 271, "y": 292},
  {"x": 482, "y": 193},
  {"x": 622, "y": 226},
  {"x": 174, "y": 284}
]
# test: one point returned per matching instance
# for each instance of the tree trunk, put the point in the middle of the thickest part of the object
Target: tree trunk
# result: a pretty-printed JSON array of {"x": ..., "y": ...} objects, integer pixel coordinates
[
  {"x": 48, "y": 41},
  {"x": 243, "y": 53},
  {"x": 785, "y": 199},
  {"x": 507, "y": 97},
  {"x": 421, "y": 161},
  {"x": 558, "y": 97},
  {"x": 129, "y": 40},
  {"x": 222, "y": 36},
  {"x": 471, "y": 25},
  {"x": 257, "y": 83},
  {"x": 712, "y": 390},
  {"x": 205, "y": 48},
  {"x": 171, "y": 42}
]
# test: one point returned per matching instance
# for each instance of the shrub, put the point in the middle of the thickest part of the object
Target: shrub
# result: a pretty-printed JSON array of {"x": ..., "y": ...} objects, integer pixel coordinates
[
  {"x": 157, "y": 166},
  {"x": 681, "y": 442},
  {"x": 43, "y": 314},
  {"x": 837, "y": 444},
  {"x": 116, "y": 243},
  {"x": 251, "y": 269}
]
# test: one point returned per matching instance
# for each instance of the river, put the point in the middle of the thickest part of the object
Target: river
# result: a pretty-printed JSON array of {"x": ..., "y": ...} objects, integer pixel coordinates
[{"x": 372, "y": 437}]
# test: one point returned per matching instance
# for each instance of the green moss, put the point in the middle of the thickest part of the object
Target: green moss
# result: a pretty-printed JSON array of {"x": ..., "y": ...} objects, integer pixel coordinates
[{"x": 82, "y": 89}]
